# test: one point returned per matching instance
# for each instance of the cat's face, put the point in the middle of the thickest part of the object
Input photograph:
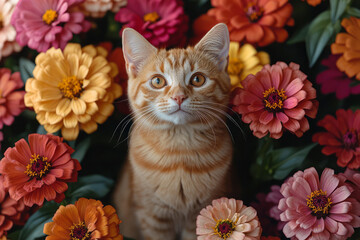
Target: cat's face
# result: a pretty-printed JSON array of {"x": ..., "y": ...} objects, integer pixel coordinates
[{"x": 178, "y": 86}]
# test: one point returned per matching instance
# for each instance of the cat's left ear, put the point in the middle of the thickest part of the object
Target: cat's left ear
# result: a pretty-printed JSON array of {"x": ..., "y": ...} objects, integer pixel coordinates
[{"x": 216, "y": 43}]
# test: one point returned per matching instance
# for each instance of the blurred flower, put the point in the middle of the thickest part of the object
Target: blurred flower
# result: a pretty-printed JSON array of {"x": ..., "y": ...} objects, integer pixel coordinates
[
  {"x": 274, "y": 197},
  {"x": 116, "y": 56},
  {"x": 162, "y": 23},
  {"x": 313, "y": 2},
  {"x": 317, "y": 208},
  {"x": 333, "y": 80},
  {"x": 277, "y": 97},
  {"x": 39, "y": 169},
  {"x": 11, "y": 98},
  {"x": 86, "y": 219},
  {"x": 243, "y": 61},
  {"x": 228, "y": 219},
  {"x": 72, "y": 90},
  {"x": 43, "y": 24},
  {"x": 262, "y": 208},
  {"x": 348, "y": 44},
  {"x": 8, "y": 44},
  {"x": 352, "y": 179},
  {"x": 269, "y": 238},
  {"x": 252, "y": 21},
  {"x": 98, "y": 8},
  {"x": 201, "y": 26},
  {"x": 342, "y": 137},
  {"x": 10, "y": 211}
]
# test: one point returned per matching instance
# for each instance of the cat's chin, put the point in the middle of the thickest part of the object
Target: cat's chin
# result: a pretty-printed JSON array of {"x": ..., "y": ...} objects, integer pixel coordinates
[{"x": 178, "y": 117}]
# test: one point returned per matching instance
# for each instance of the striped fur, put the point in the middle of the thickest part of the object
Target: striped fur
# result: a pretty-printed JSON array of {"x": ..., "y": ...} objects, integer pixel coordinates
[{"x": 178, "y": 161}]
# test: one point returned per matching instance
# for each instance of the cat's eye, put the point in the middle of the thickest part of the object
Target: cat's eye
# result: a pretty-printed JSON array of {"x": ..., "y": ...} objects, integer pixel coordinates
[
  {"x": 158, "y": 82},
  {"x": 197, "y": 80}
]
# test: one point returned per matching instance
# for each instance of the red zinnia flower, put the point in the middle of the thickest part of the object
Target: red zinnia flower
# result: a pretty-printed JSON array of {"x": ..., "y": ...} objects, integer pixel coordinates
[
  {"x": 12, "y": 99},
  {"x": 259, "y": 22},
  {"x": 342, "y": 137},
  {"x": 39, "y": 169},
  {"x": 10, "y": 210},
  {"x": 277, "y": 97}
]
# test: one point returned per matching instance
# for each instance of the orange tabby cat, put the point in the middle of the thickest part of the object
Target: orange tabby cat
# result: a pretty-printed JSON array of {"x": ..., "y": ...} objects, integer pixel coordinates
[{"x": 180, "y": 150}]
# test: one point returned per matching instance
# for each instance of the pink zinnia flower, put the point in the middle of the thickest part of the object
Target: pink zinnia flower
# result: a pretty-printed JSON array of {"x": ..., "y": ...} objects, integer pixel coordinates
[
  {"x": 318, "y": 208},
  {"x": 277, "y": 97},
  {"x": 8, "y": 44},
  {"x": 333, "y": 80},
  {"x": 353, "y": 179},
  {"x": 162, "y": 23},
  {"x": 228, "y": 219},
  {"x": 39, "y": 169},
  {"x": 12, "y": 99},
  {"x": 342, "y": 137},
  {"x": 43, "y": 24},
  {"x": 274, "y": 197}
]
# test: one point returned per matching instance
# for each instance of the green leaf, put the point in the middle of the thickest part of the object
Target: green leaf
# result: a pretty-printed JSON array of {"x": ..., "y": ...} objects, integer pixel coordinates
[
  {"x": 355, "y": 12},
  {"x": 337, "y": 8},
  {"x": 13, "y": 235},
  {"x": 35, "y": 224},
  {"x": 26, "y": 69},
  {"x": 299, "y": 36},
  {"x": 92, "y": 186},
  {"x": 81, "y": 149},
  {"x": 321, "y": 30},
  {"x": 288, "y": 159}
]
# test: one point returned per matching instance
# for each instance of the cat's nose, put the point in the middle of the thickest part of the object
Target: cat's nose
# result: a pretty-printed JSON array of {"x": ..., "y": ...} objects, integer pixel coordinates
[{"x": 179, "y": 99}]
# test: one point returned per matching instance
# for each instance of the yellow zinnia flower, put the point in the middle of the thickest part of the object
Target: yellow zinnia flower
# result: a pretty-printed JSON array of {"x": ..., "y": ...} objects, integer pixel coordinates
[
  {"x": 72, "y": 90},
  {"x": 243, "y": 61}
]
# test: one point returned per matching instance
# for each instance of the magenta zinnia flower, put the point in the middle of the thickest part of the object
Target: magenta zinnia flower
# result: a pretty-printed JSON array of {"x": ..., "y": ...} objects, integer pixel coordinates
[
  {"x": 162, "y": 23},
  {"x": 39, "y": 170},
  {"x": 316, "y": 208},
  {"x": 333, "y": 80},
  {"x": 277, "y": 97},
  {"x": 342, "y": 137},
  {"x": 228, "y": 219},
  {"x": 12, "y": 99},
  {"x": 43, "y": 24}
]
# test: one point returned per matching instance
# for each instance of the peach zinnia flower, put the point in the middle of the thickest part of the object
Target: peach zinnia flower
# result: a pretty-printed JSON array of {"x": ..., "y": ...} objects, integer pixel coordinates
[
  {"x": 39, "y": 169},
  {"x": 243, "y": 61},
  {"x": 318, "y": 208},
  {"x": 72, "y": 90},
  {"x": 348, "y": 44},
  {"x": 11, "y": 97},
  {"x": 10, "y": 210},
  {"x": 8, "y": 43},
  {"x": 98, "y": 8},
  {"x": 258, "y": 22},
  {"x": 342, "y": 137},
  {"x": 86, "y": 219},
  {"x": 228, "y": 219},
  {"x": 277, "y": 97}
]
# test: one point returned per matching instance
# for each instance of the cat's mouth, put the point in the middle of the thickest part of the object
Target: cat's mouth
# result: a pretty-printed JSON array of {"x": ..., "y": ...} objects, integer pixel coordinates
[{"x": 179, "y": 111}]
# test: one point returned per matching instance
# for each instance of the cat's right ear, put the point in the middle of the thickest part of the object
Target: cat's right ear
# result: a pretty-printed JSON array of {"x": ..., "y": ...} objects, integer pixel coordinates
[{"x": 136, "y": 50}]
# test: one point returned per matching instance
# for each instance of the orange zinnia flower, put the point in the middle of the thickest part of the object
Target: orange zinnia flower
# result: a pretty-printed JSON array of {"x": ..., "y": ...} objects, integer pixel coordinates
[
  {"x": 254, "y": 21},
  {"x": 348, "y": 44},
  {"x": 87, "y": 219},
  {"x": 39, "y": 170}
]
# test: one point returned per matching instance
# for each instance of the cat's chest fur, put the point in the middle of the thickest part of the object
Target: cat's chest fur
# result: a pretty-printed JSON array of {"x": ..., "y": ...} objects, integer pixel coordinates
[{"x": 181, "y": 166}]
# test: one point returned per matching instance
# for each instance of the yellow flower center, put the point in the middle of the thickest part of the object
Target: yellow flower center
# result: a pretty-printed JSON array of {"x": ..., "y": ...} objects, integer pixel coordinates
[
  {"x": 224, "y": 228},
  {"x": 38, "y": 166},
  {"x": 253, "y": 11},
  {"x": 273, "y": 99},
  {"x": 151, "y": 17},
  {"x": 49, "y": 16},
  {"x": 319, "y": 203},
  {"x": 71, "y": 87},
  {"x": 79, "y": 232},
  {"x": 235, "y": 66}
]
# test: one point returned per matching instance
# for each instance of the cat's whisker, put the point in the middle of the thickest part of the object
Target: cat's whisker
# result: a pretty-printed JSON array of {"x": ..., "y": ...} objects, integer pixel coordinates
[
  {"x": 201, "y": 116},
  {"x": 221, "y": 120}
]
